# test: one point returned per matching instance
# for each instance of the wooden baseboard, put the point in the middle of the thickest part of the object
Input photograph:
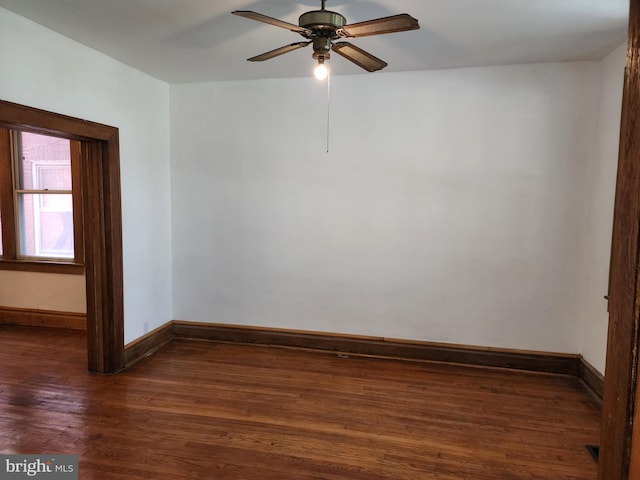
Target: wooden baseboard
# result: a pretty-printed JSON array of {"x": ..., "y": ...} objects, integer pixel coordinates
[
  {"x": 556, "y": 363},
  {"x": 147, "y": 344},
  {"x": 591, "y": 377},
  {"x": 566, "y": 364},
  {"x": 43, "y": 318}
]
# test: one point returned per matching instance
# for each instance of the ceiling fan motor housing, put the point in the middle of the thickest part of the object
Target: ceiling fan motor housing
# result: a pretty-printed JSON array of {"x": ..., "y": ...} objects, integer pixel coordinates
[{"x": 322, "y": 22}]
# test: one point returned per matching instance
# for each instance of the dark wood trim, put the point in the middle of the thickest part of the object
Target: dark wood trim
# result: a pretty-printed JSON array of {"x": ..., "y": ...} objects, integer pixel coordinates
[
  {"x": 22, "y": 117},
  {"x": 43, "y": 318},
  {"x": 622, "y": 341},
  {"x": 7, "y": 211},
  {"x": 112, "y": 250},
  {"x": 566, "y": 364},
  {"x": 555, "y": 363},
  {"x": 591, "y": 377},
  {"x": 102, "y": 225},
  {"x": 42, "y": 266},
  {"x": 76, "y": 186},
  {"x": 634, "y": 461},
  {"x": 103, "y": 251},
  {"x": 147, "y": 344}
]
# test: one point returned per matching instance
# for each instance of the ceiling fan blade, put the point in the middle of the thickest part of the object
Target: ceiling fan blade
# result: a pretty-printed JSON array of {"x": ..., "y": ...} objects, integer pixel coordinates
[
  {"x": 272, "y": 21},
  {"x": 278, "y": 51},
  {"x": 395, "y": 23},
  {"x": 359, "y": 57}
]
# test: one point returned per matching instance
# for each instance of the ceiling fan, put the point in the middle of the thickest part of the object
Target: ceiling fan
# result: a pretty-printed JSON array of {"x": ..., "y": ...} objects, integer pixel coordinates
[{"x": 323, "y": 27}]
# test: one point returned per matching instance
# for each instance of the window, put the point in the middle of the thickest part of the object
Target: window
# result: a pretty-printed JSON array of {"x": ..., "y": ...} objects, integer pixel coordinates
[{"x": 40, "y": 217}]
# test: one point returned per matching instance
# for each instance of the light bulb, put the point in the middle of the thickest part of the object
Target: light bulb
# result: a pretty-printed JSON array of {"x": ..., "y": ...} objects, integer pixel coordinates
[{"x": 321, "y": 71}]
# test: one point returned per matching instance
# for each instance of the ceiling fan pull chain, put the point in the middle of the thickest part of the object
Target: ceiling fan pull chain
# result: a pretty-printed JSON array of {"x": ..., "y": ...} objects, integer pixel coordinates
[{"x": 328, "y": 103}]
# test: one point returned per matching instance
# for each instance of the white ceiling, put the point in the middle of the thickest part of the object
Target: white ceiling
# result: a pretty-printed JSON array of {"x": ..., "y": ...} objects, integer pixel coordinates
[{"x": 199, "y": 40}]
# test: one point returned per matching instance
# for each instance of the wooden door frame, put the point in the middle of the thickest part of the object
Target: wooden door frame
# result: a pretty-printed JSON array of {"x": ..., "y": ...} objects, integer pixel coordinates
[
  {"x": 102, "y": 225},
  {"x": 617, "y": 424}
]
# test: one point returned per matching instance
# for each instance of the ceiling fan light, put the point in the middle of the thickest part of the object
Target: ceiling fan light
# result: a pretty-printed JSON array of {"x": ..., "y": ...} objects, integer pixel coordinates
[{"x": 321, "y": 71}]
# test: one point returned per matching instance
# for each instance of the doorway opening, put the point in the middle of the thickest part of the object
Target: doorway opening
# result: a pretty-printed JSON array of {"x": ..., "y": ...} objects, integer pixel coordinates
[{"x": 102, "y": 225}]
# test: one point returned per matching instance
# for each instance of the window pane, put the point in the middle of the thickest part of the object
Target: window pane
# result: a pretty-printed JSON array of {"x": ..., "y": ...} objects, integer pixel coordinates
[
  {"x": 43, "y": 162},
  {"x": 46, "y": 225}
]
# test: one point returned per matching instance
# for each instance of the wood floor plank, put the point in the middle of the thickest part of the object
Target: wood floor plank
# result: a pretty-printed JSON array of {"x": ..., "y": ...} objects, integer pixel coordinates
[{"x": 224, "y": 411}]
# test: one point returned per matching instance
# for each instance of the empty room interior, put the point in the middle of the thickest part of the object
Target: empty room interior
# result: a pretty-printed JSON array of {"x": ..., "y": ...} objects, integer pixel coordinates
[{"x": 400, "y": 273}]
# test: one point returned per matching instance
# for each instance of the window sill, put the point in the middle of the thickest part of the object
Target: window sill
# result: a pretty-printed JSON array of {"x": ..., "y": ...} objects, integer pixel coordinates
[{"x": 42, "y": 266}]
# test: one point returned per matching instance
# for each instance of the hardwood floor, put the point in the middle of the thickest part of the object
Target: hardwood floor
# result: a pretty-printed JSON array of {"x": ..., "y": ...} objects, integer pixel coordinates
[{"x": 201, "y": 410}]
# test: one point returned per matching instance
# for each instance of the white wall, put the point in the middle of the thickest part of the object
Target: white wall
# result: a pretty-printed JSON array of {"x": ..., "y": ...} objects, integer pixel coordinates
[
  {"x": 46, "y": 70},
  {"x": 450, "y": 207},
  {"x": 601, "y": 199}
]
